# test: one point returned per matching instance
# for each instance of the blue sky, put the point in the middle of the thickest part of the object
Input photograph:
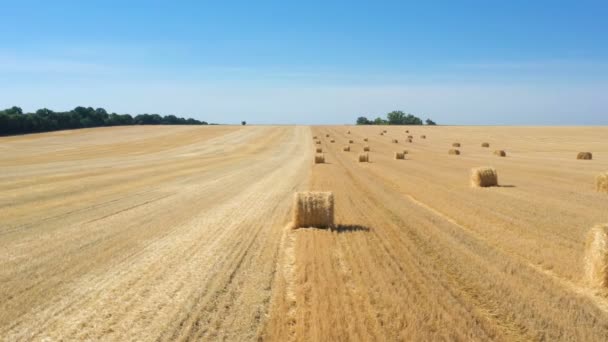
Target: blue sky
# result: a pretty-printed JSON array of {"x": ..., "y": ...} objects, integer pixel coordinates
[{"x": 458, "y": 62}]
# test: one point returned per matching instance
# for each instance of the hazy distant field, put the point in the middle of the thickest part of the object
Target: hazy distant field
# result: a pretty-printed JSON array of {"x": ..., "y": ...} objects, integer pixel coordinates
[{"x": 182, "y": 233}]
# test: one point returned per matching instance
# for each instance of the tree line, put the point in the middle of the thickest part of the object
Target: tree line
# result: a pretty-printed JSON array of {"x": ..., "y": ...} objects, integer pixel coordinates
[
  {"x": 14, "y": 121},
  {"x": 395, "y": 117}
]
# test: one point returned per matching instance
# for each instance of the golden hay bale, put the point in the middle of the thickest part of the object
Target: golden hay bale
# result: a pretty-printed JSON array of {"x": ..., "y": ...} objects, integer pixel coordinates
[
  {"x": 485, "y": 144},
  {"x": 484, "y": 176},
  {"x": 399, "y": 155},
  {"x": 350, "y": 141},
  {"x": 381, "y": 133},
  {"x": 454, "y": 151},
  {"x": 407, "y": 131},
  {"x": 409, "y": 140},
  {"x": 348, "y": 132},
  {"x": 423, "y": 137},
  {"x": 318, "y": 142},
  {"x": 584, "y": 156},
  {"x": 405, "y": 151},
  {"x": 500, "y": 153},
  {"x": 313, "y": 209},
  {"x": 601, "y": 182},
  {"x": 410, "y": 137},
  {"x": 315, "y": 137},
  {"x": 332, "y": 141},
  {"x": 327, "y": 135},
  {"x": 596, "y": 256},
  {"x": 364, "y": 139},
  {"x": 319, "y": 150},
  {"x": 385, "y": 131},
  {"x": 395, "y": 141},
  {"x": 364, "y": 158},
  {"x": 365, "y": 148},
  {"x": 319, "y": 159},
  {"x": 456, "y": 145},
  {"x": 346, "y": 149}
]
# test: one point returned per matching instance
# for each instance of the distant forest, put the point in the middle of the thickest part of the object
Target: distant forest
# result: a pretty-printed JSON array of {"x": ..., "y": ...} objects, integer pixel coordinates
[
  {"x": 395, "y": 117},
  {"x": 14, "y": 121}
]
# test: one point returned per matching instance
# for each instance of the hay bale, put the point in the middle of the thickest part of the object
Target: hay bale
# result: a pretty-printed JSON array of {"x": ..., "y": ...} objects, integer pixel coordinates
[
  {"x": 350, "y": 141},
  {"x": 601, "y": 182},
  {"x": 364, "y": 158},
  {"x": 405, "y": 151},
  {"x": 423, "y": 137},
  {"x": 327, "y": 135},
  {"x": 410, "y": 137},
  {"x": 348, "y": 132},
  {"x": 456, "y": 145},
  {"x": 364, "y": 139},
  {"x": 395, "y": 141},
  {"x": 596, "y": 256},
  {"x": 365, "y": 148},
  {"x": 318, "y": 142},
  {"x": 485, "y": 144},
  {"x": 319, "y": 150},
  {"x": 315, "y": 137},
  {"x": 385, "y": 131},
  {"x": 484, "y": 177},
  {"x": 407, "y": 131},
  {"x": 399, "y": 155},
  {"x": 500, "y": 153},
  {"x": 454, "y": 151},
  {"x": 332, "y": 141},
  {"x": 584, "y": 156},
  {"x": 319, "y": 159},
  {"x": 313, "y": 209},
  {"x": 346, "y": 149},
  {"x": 381, "y": 133},
  {"x": 409, "y": 140}
]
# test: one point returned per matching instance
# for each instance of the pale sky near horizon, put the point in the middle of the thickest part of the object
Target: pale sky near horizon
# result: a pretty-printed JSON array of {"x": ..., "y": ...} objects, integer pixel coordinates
[{"x": 471, "y": 62}]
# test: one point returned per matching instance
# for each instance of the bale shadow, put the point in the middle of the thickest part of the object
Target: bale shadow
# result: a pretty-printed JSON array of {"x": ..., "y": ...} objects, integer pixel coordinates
[
  {"x": 507, "y": 186},
  {"x": 349, "y": 228}
]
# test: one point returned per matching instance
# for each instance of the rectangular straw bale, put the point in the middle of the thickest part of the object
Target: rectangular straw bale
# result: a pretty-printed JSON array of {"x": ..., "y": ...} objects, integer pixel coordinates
[{"x": 313, "y": 209}]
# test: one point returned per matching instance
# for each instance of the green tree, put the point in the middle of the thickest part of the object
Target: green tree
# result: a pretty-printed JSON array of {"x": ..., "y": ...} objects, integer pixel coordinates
[
  {"x": 396, "y": 117},
  {"x": 243, "y": 123},
  {"x": 380, "y": 121},
  {"x": 362, "y": 120},
  {"x": 430, "y": 122}
]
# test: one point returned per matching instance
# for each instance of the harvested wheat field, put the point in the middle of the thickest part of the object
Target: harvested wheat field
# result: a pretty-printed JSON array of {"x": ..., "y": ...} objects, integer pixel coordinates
[{"x": 185, "y": 233}]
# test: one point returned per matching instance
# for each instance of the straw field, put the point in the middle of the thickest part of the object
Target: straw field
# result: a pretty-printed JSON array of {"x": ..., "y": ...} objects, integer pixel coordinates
[{"x": 187, "y": 233}]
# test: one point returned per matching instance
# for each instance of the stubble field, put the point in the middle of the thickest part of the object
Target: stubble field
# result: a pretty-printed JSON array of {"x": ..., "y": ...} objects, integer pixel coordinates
[{"x": 183, "y": 233}]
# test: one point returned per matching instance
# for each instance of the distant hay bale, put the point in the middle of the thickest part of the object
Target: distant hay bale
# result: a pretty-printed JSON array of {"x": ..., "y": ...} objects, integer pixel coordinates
[
  {"x": 410, "y": 137},
  {"x": 318, "y": 142},
  {"x": 596, "y": 256},
  {"x": 350, "y": 141},
  {"x": 319, "y": 159},
  {"x": 365, "y": 148},
  {"x": 484, "y": 177},
  {"x": 315, "y": 137},
  {"x": 385, "y": 131},
  {"x": 348, "y": 132},
  {"x": 319, "y": 150},
  {"x": 454, "y": 151},
  {"x": 485, "y": 144},
  {"x": 395, "y": 141},
  {"x": 399, "y": 155},
  {"x": 584, "y": 156},
  {"x": 313, "y": 209},
  {"x": 423, "y": 137},
  {"x": 409, "y": 140},
  {"x": 332, "y": 141},
  {"x": 500, "y": 153},
  {"x": 456, "y": 145},
  {"x": 381, "y": 133},
  {"x": 601, "y": 182},
  {"x": 405, "y": 151},
  {"x": 346, "y": 149},
  {"x": 364, "y": 158},
  {"x": 407, "y": 131},
  {"x": 327, "y": 135},
  {"x": 364, "y": 139}
]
